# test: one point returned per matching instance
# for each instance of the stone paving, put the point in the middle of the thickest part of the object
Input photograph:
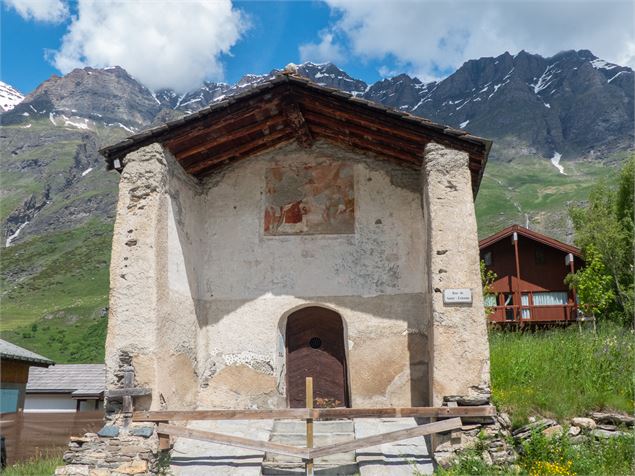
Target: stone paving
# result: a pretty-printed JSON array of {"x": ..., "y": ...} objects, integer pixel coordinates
[
  {"x": 198, "y": 458},
  {"x": 396, "y": 459}
]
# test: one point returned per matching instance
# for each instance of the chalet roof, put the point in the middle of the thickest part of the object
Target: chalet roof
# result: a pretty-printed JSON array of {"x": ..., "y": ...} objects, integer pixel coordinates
[
  {"x": 11, "y": 351},
  {"x": 532, "y": 235},
  {"x": 289, "y": 107},
  {"x": 80, "y": 380}
]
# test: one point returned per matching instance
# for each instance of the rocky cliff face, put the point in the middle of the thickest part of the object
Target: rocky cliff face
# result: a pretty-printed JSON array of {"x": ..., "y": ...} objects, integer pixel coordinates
[
  {"x": 570, "y": 106},
  {"x": 572, "y": 103}
]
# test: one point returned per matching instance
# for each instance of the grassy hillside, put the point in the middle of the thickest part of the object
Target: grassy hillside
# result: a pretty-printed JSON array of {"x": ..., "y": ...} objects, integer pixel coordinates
[
  {"x": 530, "y": 190},
  {"x": 55, "y": 293}
]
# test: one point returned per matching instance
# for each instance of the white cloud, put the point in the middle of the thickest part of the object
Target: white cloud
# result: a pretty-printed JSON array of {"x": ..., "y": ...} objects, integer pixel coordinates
[
  {"x": 50, "y": 11},
  {"x": 162, "y": 44},
  {"x": 324, "y": 51},
  {"x": 427, "y": 38}
]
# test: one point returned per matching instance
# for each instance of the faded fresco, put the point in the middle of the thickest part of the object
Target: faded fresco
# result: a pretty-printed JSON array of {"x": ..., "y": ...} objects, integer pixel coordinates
[{"x": 309, "y": 199}]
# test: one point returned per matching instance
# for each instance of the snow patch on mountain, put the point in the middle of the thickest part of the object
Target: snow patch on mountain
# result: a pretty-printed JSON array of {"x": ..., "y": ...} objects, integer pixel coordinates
[
  {"x": 9, "y": 97},
  {"x": 545, "y": 80},
  {"x": 601, "y": 64},
  {"x": 11, "y": 238},
  {"x": 555, "y": 160},
  {"x": 616, "y": 76}
]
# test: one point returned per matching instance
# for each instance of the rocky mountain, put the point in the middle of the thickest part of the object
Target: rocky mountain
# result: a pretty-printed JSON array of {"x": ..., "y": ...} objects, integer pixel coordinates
[
  {"x": 564, "y": 108},
  {"x": 559, "y": 124},
  {"x": 9, "y": 97},
  {"x": 572, "y": 103}
]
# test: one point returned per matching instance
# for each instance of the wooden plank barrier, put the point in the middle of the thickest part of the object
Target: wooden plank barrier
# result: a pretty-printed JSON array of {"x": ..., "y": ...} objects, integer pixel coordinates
[
  {"x": 230, "y": 440},
  {"x": 311, "y": 453},
  {"x": 315, "y": 413},
  {"x": 405, "y": 434}
]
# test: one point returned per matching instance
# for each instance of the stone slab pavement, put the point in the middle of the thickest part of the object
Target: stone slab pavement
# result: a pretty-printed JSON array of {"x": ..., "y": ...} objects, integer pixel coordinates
[
  {"x": 198, "y": 458},
  {"x": 401, "y": 458}
]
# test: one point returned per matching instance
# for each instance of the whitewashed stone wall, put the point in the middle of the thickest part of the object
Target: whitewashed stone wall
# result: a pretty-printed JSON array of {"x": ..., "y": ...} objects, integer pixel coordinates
[{"x": 200, "y": 296}]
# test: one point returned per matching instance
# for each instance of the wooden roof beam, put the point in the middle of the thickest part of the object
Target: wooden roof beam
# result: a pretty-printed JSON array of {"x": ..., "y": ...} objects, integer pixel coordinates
[
  {"x": 296, "y": 121},
  {"x": 360, "y": 143},
  {"x": 357, "y": 113},
  {"x": 415, "y": 148},
  {"x": 221, "y": 136},
  {"x": 224, "y": 125},
  {"x": 237, "y": 148}
]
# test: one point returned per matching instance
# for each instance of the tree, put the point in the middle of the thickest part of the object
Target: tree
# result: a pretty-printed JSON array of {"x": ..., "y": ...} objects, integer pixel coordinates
[
  {"x": 593, "y": 284},
  {"x": 605, "y": 228}
]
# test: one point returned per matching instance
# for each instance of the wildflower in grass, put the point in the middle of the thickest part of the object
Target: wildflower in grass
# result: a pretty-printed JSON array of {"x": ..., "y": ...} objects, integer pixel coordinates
[{"x": 548, "y": 468}]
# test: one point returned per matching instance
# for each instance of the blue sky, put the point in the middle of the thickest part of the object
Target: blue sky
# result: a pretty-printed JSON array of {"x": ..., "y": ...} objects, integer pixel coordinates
[{"x": 164, "y": 43}]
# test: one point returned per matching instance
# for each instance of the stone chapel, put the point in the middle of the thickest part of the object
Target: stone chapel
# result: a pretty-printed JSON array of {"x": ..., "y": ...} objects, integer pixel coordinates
[{"x": 291, "y": 231}]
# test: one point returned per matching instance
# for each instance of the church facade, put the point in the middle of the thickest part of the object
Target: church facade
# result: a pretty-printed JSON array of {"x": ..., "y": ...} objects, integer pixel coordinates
[{"x": 295, "y": 231}]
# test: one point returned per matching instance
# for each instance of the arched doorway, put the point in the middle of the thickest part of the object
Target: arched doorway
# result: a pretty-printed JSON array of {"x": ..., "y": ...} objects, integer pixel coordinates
[{"x": 315, "y": 348}]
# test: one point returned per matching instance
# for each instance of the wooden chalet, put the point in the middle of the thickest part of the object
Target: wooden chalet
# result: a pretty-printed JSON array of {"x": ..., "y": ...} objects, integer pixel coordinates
[
  {"x": 15, "y": 362},
  {"x": 530, "y": 269}
]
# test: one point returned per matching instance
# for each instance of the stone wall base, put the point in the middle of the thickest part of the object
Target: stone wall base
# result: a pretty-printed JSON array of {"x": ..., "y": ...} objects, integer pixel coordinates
[
  {"x": 114, "y": 450},
  {"x": 490, "y": 434}
]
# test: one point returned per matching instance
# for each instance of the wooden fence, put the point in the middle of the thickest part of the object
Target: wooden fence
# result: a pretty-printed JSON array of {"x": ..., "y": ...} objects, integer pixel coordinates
[{"x": 30, "y": 435}]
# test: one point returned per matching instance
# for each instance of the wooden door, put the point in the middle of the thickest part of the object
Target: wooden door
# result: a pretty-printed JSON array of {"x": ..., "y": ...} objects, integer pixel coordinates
[{"x": 315, "y": 348}]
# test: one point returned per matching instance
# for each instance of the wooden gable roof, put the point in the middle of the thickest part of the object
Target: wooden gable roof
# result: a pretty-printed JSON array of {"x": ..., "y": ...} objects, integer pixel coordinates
[
  {"x": 532, "y": 235},
  {"x": 290, "y": 108}
]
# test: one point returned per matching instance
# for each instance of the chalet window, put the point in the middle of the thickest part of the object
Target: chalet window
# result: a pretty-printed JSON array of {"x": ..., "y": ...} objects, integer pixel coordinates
[
  {"x": 524, "y": 300},
  {"x": 9, "y": 400},
  {"x": 487, "y": 258},
  {"x": 539, "y": 255},
  {"x": 489, "y": 300},
  {"x": 509, "y": 310},
  {"x": 554, "y": 298}
]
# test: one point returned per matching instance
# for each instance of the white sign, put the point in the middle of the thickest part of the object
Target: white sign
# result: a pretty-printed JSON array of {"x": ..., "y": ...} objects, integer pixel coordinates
[{"x": 457, "y": 296}]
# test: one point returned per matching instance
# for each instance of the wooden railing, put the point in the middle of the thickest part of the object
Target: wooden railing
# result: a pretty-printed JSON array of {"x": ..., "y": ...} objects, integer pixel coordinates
[{"x": 513, "y": 314}]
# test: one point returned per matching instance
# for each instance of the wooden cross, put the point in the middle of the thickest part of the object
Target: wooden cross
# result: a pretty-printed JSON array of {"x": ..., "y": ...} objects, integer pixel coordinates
[{"x": 127, "y": 393}]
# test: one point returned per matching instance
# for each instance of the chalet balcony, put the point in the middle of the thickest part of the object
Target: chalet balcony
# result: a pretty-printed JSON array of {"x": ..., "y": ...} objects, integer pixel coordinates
[{"x": 533, "y": 314}]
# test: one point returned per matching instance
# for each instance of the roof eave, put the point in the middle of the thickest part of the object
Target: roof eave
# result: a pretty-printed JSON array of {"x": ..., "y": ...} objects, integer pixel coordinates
[
  {"x": 34, "y": 362},
  {"x": 533, "y": 235}
]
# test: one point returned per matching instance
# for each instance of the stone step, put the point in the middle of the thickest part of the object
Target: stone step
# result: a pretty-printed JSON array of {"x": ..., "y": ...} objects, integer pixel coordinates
[
  {"x": 293, "y": 432},
  {"x": 339, "y": 458},
  {"x": 323, "y": 439},
  {"x": 280, "y": 469},
  {"x": 299, "y": 426}
]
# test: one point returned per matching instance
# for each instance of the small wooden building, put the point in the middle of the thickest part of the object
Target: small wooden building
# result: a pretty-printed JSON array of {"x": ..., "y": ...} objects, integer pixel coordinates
[
  {"x": 66, "y": 388},
  {"x": 530, "y": 269},
  {"x": 14, "y": 373}
]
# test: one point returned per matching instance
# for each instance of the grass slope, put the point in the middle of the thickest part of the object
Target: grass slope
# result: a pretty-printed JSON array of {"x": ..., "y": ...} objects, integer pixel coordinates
[
  {"x": 54, "y": 290},
  {"x": 531, "y": 189}
]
